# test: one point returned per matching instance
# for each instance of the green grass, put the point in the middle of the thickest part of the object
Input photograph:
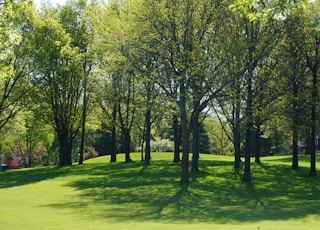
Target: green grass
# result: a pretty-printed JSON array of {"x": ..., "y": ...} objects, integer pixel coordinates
[{"x": 100, "y": 195}]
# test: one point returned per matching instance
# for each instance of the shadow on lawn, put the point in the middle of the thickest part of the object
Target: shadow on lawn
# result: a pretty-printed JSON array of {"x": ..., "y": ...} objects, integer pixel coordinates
[
  {"x": 12, "y": 178},
  {"x": 133, "y": 192}
]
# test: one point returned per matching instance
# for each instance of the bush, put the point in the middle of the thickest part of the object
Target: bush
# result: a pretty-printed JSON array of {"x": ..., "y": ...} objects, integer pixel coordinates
[
  {"x": 90, "y": 153},
  {"x": 12, "y": 164},
  {"x": 161, "y": 145}
]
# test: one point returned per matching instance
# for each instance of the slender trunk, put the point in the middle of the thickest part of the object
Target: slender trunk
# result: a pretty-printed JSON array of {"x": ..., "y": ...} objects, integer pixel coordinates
[
  {"x": 237, "y": 149},
  {"x": 28, "y": 152},
  {"x": 195, "y": 143},
  {"x": 313, "y": 171},
  {"x": 295, "y": 149},
  {"x": 113, "y": 157},
  {"x": 176, "y": 139},
  {"x": 249, "y": 126},
  {"x": 236, "y": 131},
  {"x": 295, "y": 123},
  {"x": 185, "y": 136},
  {"x": 142, "y": 150},
  {"x": 127, "y": 145},
  {"x": 250, "y": 32},
  {"x": 83, "y": 126},
  {"x": 148, "y": 137},
  {"x": 257, "y": 152}
]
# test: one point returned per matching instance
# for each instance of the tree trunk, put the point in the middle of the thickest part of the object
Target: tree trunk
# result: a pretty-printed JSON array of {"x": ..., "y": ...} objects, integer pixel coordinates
[
  {"x": 313, "y": 171},
  {"x": 127, "y": 145},
  {"x": 237, "y": 149},
  {"x": 257, "y": 152},
  {"x": 295, "y": 149},
  {"x": 113, "y": 154},
  {"x": 195, "y": 143},
  {"x": 65, "y": 150},
  {"x": 148, "y": 137},
  {"x": 176, "y": 139},
  {"x": 236, "y": 131},
  {"x": 249, "y": 127},
  {"x": 185, "y": 136},
  {"x": 83, "y": 125}
]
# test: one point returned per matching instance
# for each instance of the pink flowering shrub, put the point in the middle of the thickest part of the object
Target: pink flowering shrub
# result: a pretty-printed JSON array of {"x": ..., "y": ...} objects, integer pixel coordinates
[
  {"x": 14, "y": 160},
  {"x": 40, "y": 156},
  {"x": 17, "y": 159}
]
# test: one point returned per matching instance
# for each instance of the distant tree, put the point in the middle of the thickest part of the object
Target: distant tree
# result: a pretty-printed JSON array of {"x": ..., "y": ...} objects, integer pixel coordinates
[{"x": 204, "y": 142}]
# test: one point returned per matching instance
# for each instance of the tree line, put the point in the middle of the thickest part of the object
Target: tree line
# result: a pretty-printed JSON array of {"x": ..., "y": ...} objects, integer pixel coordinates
[{"x": 128, "y": 66}]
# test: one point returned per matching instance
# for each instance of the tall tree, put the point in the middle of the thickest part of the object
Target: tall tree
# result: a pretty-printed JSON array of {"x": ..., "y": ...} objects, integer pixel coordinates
[
  {"x": 313, "y": 62},
  {"x": 15, "y": 66},
  {"x": 292, "y": 71},
  {"x": 58, "y": 79},
  {"x": 184, "y": 31},
  {"x": 113, "y": 45},
  {"x": 76, "y": 23}
]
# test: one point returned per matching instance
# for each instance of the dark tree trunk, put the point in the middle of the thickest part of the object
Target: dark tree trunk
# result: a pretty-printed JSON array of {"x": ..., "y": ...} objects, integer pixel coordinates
[
  {"x": 247, "y": 168},
  {"x": 249, "y": 127},
  {"x": 313, "y": 171},
  {"x": 295, "y": 149},
  {"x": 236, "y": 130},
  {"x": 185, "y": 136},
  {"x": 295, "y": 123},
  {"x": 127, "y": 145},
  {"x": 65, "y": 151},
  {"x": 195, "y": 143},
  {"x": 83, "y": 126},
  {"x": 251, "y": 38},
  {"x": 148, "y": 137},
  {"x": 257, "y": 152},
  {"x": 237, "y": 149},
  {"x": 176, "y": 139},
  {"x": 113, "y": 154}
]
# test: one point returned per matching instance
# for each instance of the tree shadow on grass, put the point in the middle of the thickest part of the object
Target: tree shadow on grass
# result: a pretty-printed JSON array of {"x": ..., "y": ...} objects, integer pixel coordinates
[
  {"x": 13, "y": 178},
  {"x": 133, "y": 192}
]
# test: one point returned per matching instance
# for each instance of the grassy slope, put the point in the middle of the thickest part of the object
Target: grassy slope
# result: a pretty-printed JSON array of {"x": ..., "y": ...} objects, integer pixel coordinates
[{"x": 100, "y": 195}]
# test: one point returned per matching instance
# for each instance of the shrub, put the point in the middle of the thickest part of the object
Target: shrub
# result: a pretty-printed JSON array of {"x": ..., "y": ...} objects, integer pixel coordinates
[{"x": 90, "y": 153}]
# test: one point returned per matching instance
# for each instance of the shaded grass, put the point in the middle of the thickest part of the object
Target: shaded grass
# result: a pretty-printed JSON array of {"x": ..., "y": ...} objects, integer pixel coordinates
[{"x": 121, "y": 193}]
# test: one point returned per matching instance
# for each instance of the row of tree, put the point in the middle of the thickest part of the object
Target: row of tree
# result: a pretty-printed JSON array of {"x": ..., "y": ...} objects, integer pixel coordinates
[{"x": 137, "y": 63}]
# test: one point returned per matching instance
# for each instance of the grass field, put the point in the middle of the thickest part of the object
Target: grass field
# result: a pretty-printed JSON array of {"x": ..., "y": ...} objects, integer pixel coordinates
[{"x": 101, "y": 195}]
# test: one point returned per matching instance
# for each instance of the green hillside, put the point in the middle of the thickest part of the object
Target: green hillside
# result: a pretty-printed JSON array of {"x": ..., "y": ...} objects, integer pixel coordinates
[{"x": 100, "y": 195}]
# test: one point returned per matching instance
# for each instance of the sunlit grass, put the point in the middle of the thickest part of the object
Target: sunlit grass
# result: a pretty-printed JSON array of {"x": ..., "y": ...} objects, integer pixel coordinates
[{"x": 103, "y": 195}]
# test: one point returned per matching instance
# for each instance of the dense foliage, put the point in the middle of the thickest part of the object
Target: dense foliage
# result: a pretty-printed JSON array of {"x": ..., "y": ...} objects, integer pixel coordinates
[{"x": 237, "y": 78}]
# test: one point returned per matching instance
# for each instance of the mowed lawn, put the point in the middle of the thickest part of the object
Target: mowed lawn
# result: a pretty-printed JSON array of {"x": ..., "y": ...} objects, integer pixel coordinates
[{"x": 101, "y": 195}]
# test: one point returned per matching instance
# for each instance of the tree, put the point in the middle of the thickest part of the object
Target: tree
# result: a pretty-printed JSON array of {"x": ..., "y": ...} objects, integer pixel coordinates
[
  {"x": 293, "y": 72},
  {"x": 15, "y": 58},
  {"x": 188, "y": 71},
  {"x": 261, "y": 33},
  {"x": 76, "y": 23},
  {"x": 58, "y": 79},
  {"x": 313, "y": 63},
  {"x": 113, "y": 44}
]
